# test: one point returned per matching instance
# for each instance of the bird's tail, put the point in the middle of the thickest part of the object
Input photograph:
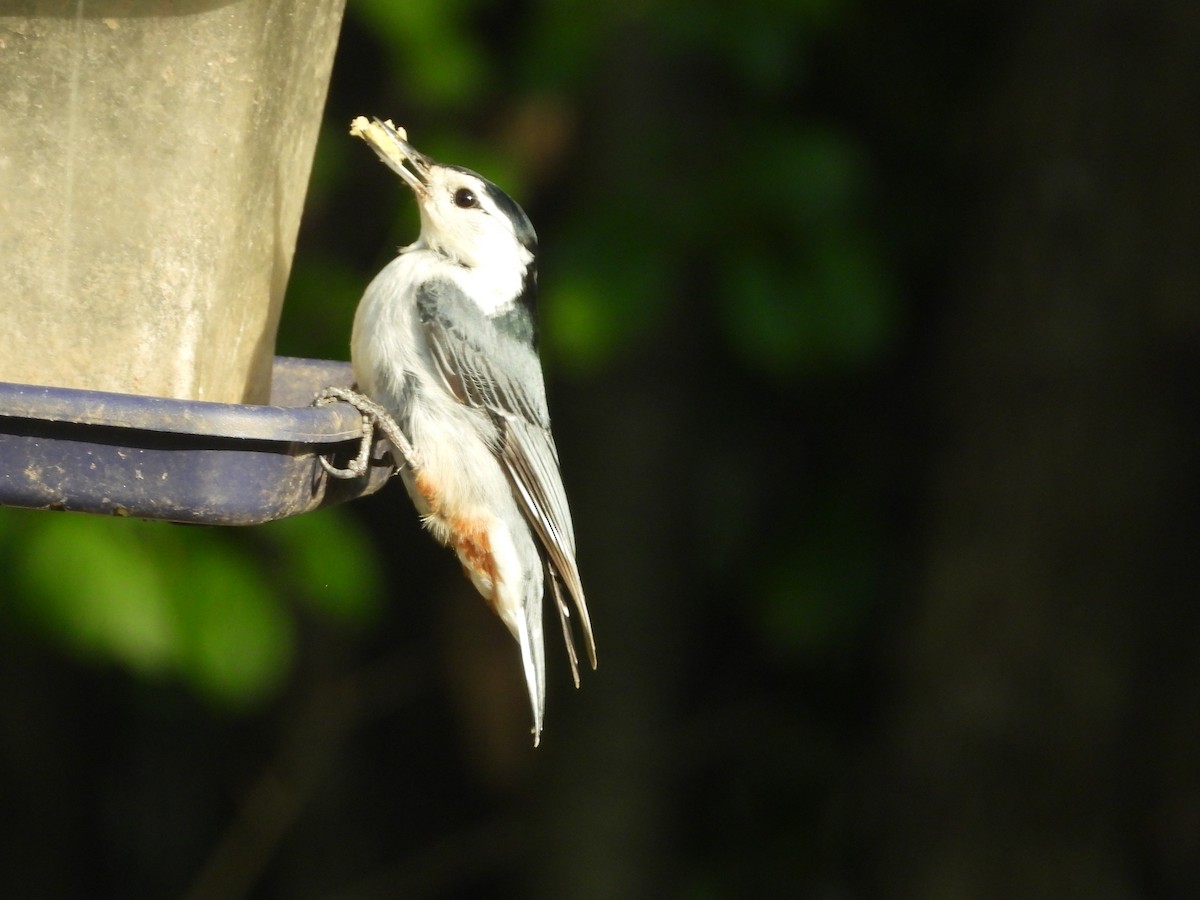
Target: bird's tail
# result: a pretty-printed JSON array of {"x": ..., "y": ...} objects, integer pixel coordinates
[{"x": 528, "y": 632}]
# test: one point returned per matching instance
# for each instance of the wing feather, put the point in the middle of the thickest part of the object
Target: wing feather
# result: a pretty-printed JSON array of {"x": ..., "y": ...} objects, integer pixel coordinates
[{"x": 488, "y": 369}]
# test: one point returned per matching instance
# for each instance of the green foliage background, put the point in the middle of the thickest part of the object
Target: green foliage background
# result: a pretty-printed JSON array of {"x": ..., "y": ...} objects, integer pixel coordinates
[
  {"x": 763, "y": 216},
  {"x": 752, "y": 219},
  {"x": 692, "y": 200}
]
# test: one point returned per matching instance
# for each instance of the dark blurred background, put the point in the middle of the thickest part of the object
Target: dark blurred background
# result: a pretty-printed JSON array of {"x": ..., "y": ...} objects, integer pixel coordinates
[{"x": 871, "y": 332}]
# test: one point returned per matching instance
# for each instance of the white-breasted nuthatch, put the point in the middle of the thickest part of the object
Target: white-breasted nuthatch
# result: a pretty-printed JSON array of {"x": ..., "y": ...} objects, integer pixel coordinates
[{"x": 444, "y": 340}]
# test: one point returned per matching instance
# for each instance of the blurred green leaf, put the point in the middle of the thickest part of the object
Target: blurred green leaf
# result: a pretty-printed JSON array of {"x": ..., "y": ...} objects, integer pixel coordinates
[
  {"x": 329, "y": 562},
  {"x": 238, "y": 638},
  {"x": 809, "y": 290},
  {"x": 828, "y": 308},
  {"x": 609, "y": 283},
  {"x": 816, "y": 596},
  {"x": 319, "y": 314},
  {"x": 437, "y": 56},
  {"x": 203, "y": 604},
  {"x": 762, "y": 41},
  {"x": 810, "y": 177},
  {"x": 578, "y": 334},
  {"x": 100, "y": 590},
  {"x": 565, "y": 37}
]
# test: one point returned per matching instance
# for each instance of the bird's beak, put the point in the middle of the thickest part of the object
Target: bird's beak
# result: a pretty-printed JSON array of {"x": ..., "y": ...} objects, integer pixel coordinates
[{"x": 399, "y": 152}]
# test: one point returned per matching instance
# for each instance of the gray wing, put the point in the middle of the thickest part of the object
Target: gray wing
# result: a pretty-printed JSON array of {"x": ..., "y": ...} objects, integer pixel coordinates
[{"x": 484, "y": 365}]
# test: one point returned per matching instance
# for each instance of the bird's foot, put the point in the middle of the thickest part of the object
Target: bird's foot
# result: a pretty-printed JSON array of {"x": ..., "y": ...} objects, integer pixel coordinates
[{"x": 373, "y": 416}]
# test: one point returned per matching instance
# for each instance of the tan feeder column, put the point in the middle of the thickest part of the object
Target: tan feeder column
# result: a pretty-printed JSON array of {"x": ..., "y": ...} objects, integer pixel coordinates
[{"x": 154, "y": 157}]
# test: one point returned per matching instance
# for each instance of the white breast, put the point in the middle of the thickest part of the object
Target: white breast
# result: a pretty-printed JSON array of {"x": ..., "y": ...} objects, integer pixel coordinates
[{"x": 393, "y": 366}]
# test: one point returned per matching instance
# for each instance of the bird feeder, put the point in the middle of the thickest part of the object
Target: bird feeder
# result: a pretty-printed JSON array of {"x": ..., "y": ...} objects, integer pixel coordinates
[{"x": 154, "y": 158}]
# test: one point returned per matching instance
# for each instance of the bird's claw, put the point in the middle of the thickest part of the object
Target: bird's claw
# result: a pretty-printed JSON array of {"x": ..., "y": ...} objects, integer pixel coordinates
[{"x": 373, "y": 416}]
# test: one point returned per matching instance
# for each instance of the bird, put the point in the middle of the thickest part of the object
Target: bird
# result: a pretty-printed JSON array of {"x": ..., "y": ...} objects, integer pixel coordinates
[{"x": 445, "y": 341}]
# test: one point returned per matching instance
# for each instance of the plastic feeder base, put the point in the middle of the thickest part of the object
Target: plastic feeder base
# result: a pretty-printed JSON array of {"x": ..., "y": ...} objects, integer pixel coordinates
[{"x": 184, "y": 461}]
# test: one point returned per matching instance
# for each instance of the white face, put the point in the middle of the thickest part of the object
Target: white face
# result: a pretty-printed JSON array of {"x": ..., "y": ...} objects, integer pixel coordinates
[{"x": 460, "y": 219}]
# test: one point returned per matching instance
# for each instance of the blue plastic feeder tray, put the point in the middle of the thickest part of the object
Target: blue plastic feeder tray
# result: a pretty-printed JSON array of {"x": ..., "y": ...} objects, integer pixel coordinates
[{"x": 184, "y": 460}]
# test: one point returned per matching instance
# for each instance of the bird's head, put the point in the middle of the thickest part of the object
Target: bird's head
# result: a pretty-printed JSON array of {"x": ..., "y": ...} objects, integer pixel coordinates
[{"x": 463, "y": 215}]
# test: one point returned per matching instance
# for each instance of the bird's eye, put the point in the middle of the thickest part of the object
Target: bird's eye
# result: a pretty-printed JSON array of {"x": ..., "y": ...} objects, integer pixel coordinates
[{"x": 464, "y": 198}]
